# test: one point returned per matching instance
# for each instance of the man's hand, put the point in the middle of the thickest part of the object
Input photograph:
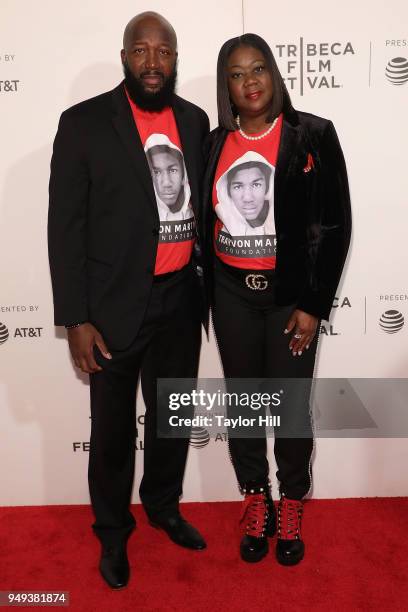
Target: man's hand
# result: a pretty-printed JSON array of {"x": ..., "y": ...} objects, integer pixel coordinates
[
  {"x": 81, "y": 341},
  {"x": 304, "y": 326}
]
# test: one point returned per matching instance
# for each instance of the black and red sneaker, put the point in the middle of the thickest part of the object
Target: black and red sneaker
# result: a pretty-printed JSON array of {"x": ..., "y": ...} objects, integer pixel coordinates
[
  {"x": 259, "y": 521},
  {"x": 290, "y": 548}
]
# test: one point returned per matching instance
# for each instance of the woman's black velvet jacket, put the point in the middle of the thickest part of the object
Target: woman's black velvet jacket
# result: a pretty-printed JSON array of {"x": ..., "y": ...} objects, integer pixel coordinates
[{"x": 312, "y": 213}]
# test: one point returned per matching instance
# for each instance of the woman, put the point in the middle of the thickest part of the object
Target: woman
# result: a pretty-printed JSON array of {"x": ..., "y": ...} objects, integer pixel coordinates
[{"x": 267, "y": 305}]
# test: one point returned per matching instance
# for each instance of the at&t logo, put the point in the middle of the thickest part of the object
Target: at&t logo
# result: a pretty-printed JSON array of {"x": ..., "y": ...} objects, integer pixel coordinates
[
  {"x": 391, "y": 321},
  {"x": 28, "y": 332},
  {"x": 199, "y": 437},
  {"x": 6, "y": 86},
  {"x": 20, "y": 332},
  {"x": 4, "y": 333},
  {"x": 397, "y": 70}
]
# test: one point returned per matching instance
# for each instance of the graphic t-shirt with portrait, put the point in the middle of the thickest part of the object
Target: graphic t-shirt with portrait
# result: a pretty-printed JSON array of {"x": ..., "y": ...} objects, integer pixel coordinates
[
  {"x": 160, "y": 138},
  {"x": 243, "y": 200}
]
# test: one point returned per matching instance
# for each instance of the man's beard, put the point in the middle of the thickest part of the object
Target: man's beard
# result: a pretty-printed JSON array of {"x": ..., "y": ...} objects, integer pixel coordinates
[{"x": 150, "y": 101}]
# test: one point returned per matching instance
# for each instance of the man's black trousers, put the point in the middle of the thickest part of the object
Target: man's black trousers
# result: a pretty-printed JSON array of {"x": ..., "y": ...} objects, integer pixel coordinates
[
  {"x": 167, "y": 346},
  {"x": 249, "y": 328}
]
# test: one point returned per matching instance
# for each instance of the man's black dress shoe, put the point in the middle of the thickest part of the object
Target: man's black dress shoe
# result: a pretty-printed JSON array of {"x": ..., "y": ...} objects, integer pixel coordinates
[
  {"x": 114, "y": 566},
  {"x": 179, "y": 531}
]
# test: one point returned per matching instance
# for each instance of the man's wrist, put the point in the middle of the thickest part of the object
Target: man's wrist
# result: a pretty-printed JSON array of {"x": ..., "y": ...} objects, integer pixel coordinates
[{"x": 73, "y": 325}]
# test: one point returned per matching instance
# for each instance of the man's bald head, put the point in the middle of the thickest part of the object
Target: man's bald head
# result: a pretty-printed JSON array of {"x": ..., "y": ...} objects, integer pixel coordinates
[
  {"x": 149, "y": 59},
  {"x": 140, "y": 26}
]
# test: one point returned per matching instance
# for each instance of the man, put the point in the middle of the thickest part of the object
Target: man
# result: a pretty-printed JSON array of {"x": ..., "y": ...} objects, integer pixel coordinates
[
  {"x": 169, "y": 178},
  {"x": 247, "y": 187},
  {"x": 131, "y": 303}
]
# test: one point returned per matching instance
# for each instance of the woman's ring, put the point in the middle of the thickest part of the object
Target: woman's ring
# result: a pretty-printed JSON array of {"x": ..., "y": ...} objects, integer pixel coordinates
[{"x": 297, "y": 336}]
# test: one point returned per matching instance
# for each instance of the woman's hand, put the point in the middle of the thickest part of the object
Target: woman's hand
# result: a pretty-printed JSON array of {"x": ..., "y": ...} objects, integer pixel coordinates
[{"x": 304, "y": 326}]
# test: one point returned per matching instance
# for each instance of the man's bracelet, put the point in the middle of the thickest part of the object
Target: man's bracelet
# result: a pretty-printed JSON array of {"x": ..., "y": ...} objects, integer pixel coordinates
[{"x": 74, "y": 325}]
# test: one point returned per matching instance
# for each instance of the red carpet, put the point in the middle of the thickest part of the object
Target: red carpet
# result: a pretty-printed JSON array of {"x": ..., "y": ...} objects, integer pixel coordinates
[{"x": 356, "y": 559}]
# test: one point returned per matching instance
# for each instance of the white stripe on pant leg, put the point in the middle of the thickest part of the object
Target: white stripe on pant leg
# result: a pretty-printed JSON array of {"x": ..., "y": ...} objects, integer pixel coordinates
[{"x": 312, "y": 422}]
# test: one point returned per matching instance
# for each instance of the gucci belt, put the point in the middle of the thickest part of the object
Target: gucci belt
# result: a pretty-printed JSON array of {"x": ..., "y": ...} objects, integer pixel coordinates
[{"x": 256, "y": 282}]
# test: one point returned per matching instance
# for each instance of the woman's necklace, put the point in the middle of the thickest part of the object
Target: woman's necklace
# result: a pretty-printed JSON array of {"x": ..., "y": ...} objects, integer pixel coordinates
[{"x": 248, "y": 137}]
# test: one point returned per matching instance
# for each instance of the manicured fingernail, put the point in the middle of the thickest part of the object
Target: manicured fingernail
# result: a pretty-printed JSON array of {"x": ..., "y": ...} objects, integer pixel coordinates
[
  {"x": 108, "y": 356},
  {"x": 299, "y": 353},
  {"x": 307, "y": 346},
  {"x": 285, "y": 331},
  {"x": 294, "y": 353}
]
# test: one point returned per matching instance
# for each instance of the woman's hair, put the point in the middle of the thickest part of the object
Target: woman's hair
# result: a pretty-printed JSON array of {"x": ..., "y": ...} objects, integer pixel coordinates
[
  {"x": 266, "y": 171},
  {"x": 280, "y": 101}
]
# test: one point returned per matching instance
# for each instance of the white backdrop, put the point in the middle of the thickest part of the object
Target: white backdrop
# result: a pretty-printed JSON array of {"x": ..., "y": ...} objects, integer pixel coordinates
[{"x": 334, "y": 57}]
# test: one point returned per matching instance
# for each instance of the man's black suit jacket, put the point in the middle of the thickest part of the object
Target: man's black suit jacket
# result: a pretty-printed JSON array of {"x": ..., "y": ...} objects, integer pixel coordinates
[
  {"x": 312, "y": 212},
  {"x": 103, "y": 224}
]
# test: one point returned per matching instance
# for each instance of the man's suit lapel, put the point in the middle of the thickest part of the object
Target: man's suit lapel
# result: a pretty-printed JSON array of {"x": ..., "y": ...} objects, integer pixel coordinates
[
  {"x": 124, "y": 124},
  {"x": 185, "y": 131}
]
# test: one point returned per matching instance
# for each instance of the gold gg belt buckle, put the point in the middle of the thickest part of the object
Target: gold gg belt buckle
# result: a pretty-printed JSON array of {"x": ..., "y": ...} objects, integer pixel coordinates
[{"x": 257, "y": 282}]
